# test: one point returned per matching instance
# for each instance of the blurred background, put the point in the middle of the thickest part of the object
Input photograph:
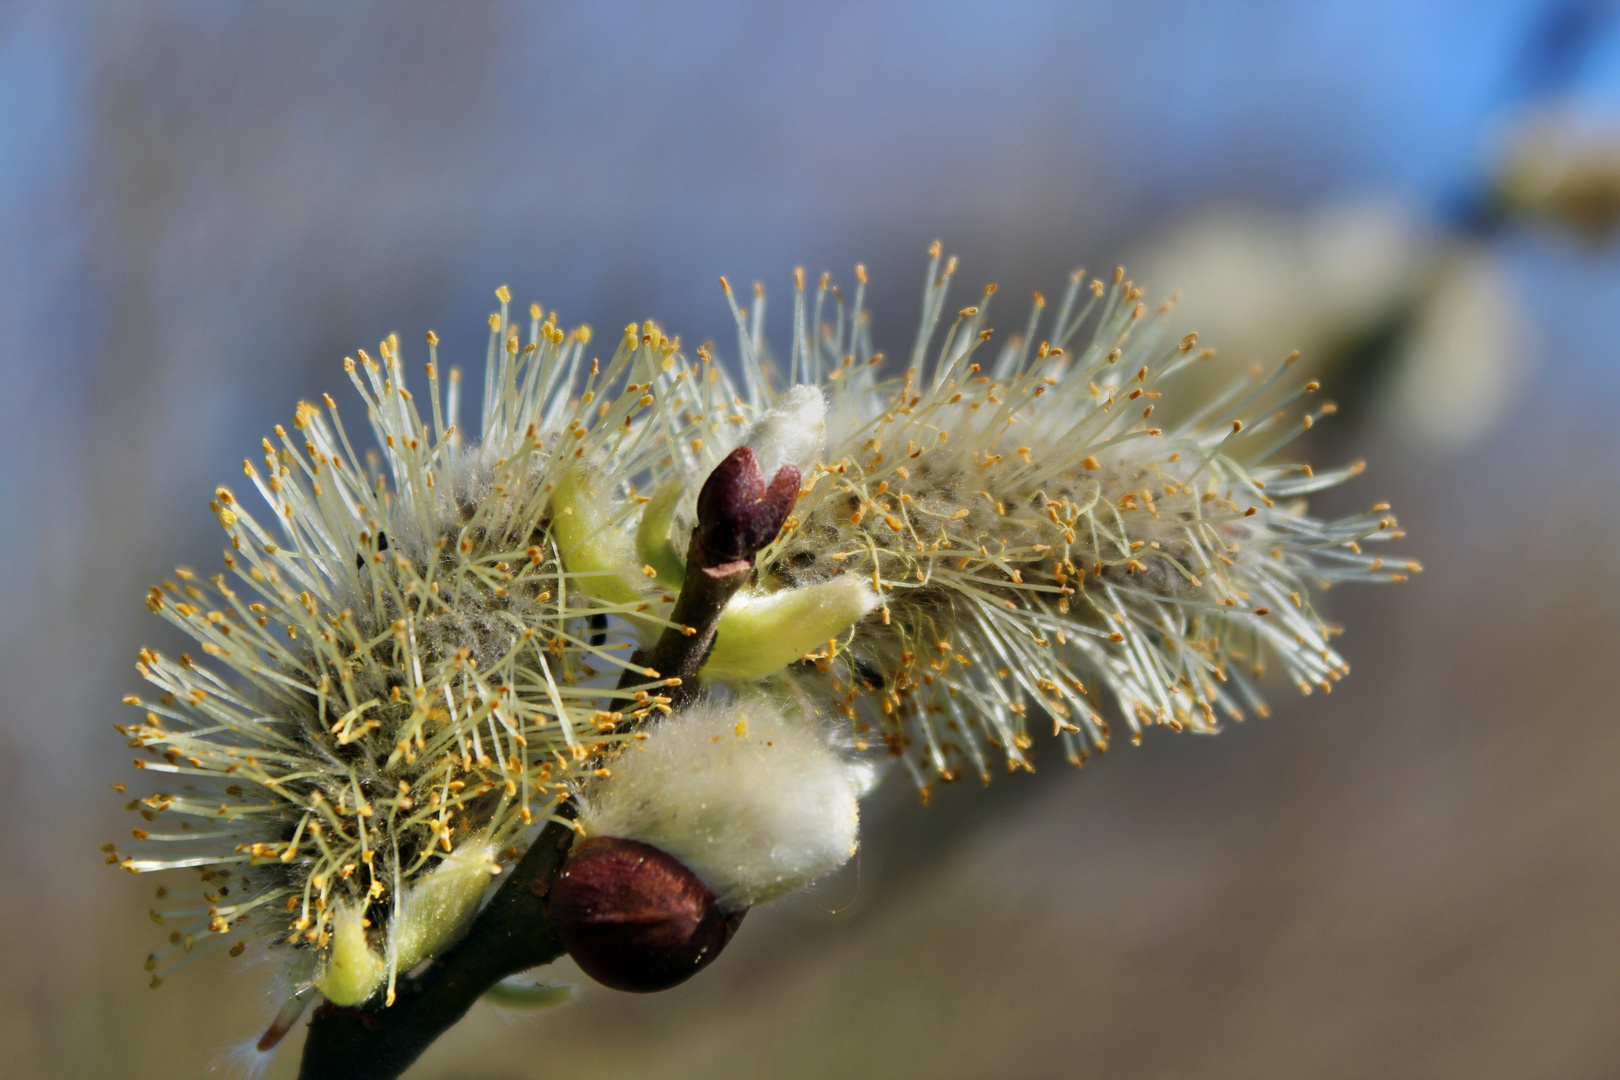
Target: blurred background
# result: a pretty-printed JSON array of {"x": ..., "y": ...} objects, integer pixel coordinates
[{"x": 205, "y": 206}]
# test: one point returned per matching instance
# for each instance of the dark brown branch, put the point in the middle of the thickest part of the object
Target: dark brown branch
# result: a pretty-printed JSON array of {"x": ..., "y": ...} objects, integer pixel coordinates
[
  {"x": 737, "y": 515},
  {"x": 681, "y": 650}
]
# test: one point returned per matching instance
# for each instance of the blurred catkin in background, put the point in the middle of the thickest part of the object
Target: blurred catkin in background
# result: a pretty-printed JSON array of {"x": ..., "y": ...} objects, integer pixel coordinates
[{"x": 207, "y": 206}]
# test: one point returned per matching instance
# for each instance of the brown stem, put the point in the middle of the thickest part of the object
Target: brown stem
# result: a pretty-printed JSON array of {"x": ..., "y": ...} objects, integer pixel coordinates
[
  {"x": 681, "y": 650},
  {"x": 737, "y": 515}
]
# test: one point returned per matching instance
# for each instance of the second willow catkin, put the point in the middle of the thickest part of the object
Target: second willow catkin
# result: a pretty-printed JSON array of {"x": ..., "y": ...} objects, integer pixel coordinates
[{"x": 1030, "y": 541}]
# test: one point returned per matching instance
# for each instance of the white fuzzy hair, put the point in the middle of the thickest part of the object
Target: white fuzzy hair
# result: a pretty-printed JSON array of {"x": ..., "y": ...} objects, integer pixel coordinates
[
  {"x": 756, "y": 803},
  {"x": 792, "y": 433}
]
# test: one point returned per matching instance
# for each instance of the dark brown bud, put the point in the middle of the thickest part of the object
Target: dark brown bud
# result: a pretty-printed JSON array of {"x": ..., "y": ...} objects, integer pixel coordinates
[
  {"x": 634, "y": 918},
  {"x": 737, "y": 514}
]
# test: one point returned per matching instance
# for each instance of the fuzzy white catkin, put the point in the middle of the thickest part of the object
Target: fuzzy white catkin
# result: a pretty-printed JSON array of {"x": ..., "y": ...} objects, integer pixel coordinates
[
  {"x": 755, "y": 803},
  {"x": 791, "y": 433},
  {"x": 382, "y": 657}
]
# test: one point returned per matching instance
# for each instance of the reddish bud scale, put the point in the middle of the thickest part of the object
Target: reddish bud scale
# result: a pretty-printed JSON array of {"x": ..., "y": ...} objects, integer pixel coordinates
[
  {"x": 737, "y": 513},
  {"x": 634, "y": 918}
]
